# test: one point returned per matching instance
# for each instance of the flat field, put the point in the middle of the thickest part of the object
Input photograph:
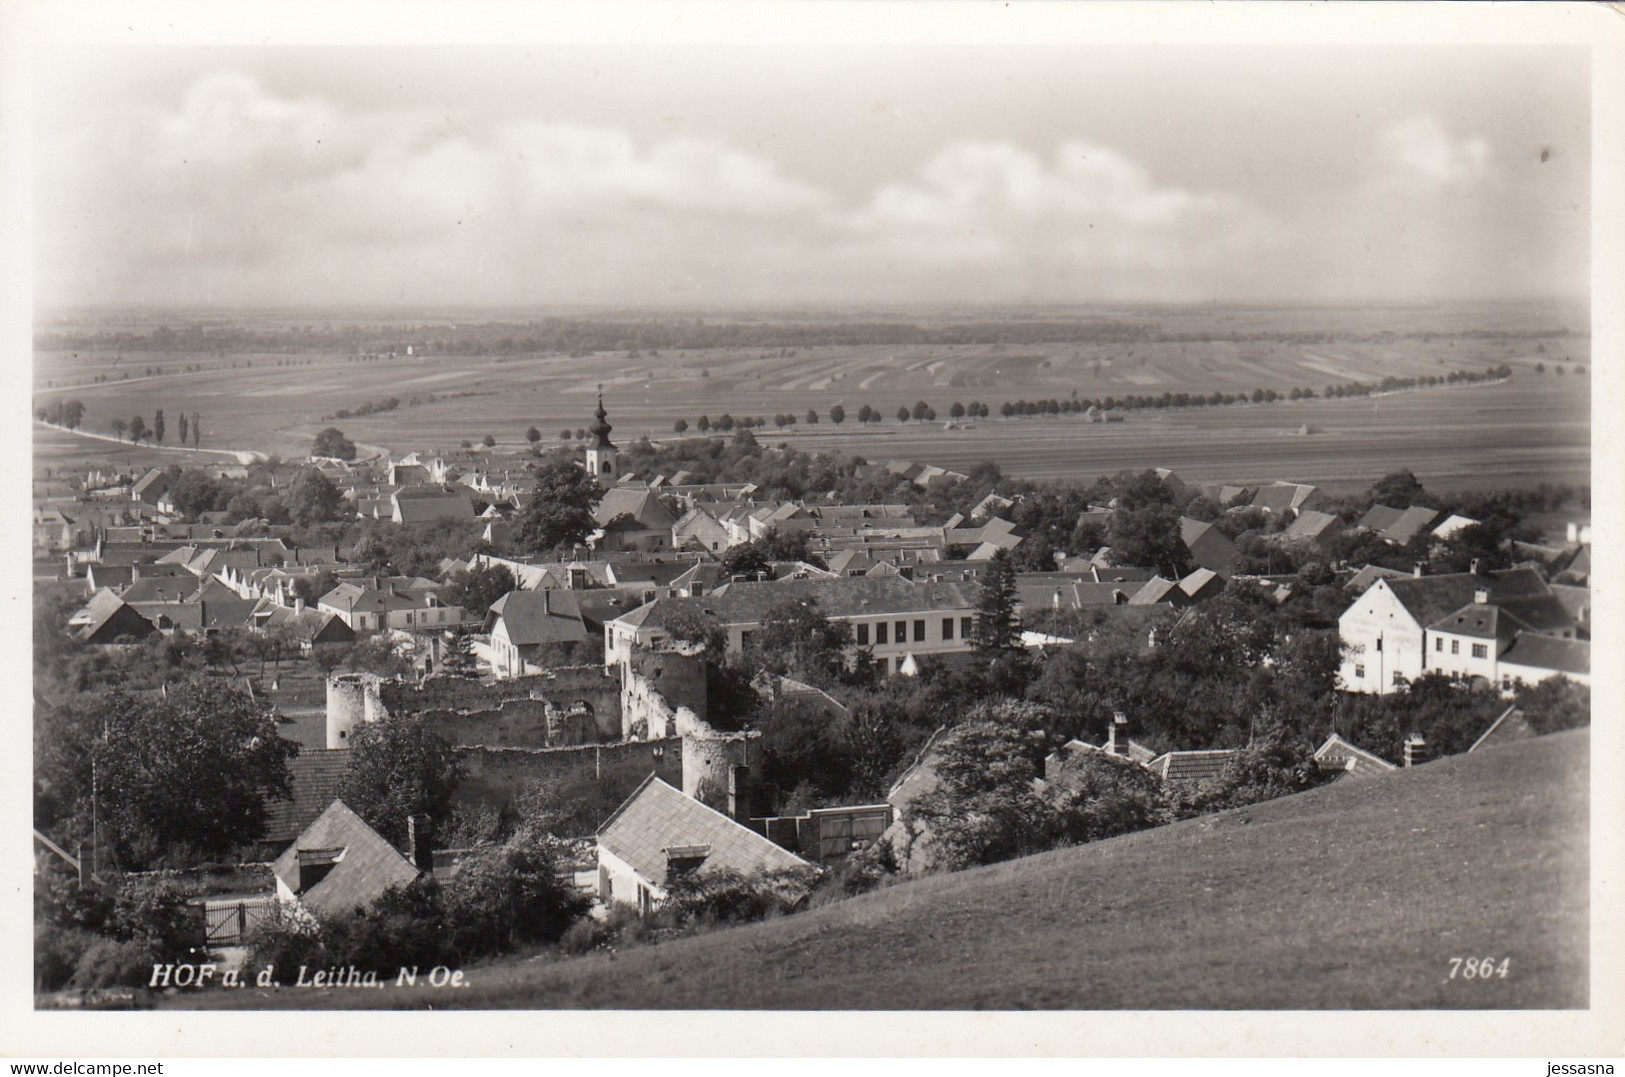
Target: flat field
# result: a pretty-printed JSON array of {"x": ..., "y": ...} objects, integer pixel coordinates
[{"x": 1536, "y": 427}]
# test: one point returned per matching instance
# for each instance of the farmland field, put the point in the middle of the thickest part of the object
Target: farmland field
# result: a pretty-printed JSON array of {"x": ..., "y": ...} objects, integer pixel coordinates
[{"x": 1534, "y": 427}]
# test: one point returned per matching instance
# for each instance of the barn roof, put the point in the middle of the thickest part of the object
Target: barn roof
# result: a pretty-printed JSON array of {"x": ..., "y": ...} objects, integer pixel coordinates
[{"x": 658, "y": 819}]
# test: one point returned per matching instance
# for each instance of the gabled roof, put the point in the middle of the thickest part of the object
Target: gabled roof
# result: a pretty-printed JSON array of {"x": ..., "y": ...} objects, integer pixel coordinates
[
  {"x": 658, "y": 817},
  {"x": 1339, "y": 754},
  {"x": 1199, "y": 581},
  {"x": 1369, "y": 575},
  {"x": 1158, "y": 590},
  {"x": 105, "y": 608},
  {"x": 314, "y": 777},
  {"x": 640, "y": 503},
  {"x": 1192, "y": 766},
  {"x": 1534, "y": 651},
  {"x": 1480, "y": 620},
  {"x": 1310, "y": 526},
  {"x": 1379, "y": 518},
  {"x": 366, "y": 865},
  {"x": 1509, "y": 725},
  {"x": 1428, "y": 598},
  {"x": 533, "y": 617},
  {"x": 1412, "y": 522},
  {"x": 1280, "y": 497}
]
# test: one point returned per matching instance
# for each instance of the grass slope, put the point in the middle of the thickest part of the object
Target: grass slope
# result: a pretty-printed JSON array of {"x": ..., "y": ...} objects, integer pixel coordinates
[{"x": 1355, "y": 896}]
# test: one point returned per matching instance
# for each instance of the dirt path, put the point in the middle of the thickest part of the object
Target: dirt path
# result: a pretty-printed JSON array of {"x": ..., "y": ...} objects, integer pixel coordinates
[{"x": 242, "y": 456}]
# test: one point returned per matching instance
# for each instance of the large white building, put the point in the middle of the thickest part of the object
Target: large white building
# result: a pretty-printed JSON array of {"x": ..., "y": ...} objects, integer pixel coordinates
[{"x": 1461, "y": 624}]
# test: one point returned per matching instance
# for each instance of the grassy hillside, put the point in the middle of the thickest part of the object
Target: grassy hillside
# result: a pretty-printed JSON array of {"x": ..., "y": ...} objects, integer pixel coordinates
[{"x": 1353, "y": 896}]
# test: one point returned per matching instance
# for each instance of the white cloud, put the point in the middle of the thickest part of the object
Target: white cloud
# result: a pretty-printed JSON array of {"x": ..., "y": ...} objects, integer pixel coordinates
[{"x": 1419, "y": 149}]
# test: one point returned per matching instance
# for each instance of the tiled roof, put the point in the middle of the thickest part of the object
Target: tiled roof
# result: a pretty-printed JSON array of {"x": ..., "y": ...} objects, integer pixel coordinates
[
  {"x": 1336, "y": 753},
  {"x": 642, "y": 504},
  {"x": 1535, "y": 651},
  {"x": 1369, "y": 575},
  {"x": 314, "y": 780},
  {"x": 1480, "y": 620},
  {"x": 1429, "y": 598},
  {"x": 530, "y": 617},
  {"x": 1198, "y": 580},
  {"x": 367, "y": 864},
  {"x": 1157, "y": 590},
  {"x": 1379, "y": 518},
  {"x": 1509, "y": 725},
  {"x": 658, "y": 817},
  {"x": 1310, "y": 526},
  {"x": 748, "y": 603},
  {"x": 1412, "y": 522},
  {"x": 1192, "y": 766}
]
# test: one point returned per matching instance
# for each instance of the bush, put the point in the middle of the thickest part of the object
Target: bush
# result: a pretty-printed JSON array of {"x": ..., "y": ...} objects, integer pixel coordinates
[
  {"x": 57, "y": 953},
  {"x": 706, "y": 898},
  {"x": 115, "y": 963},
  {"x": 286, "y": 939},
  {"x": 504, "y": 896},
  {"x": 583, "y": 936}
]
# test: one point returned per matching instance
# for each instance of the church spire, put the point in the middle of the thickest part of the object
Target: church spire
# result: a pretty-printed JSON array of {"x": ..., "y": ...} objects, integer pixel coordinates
[{"x": 600, "y": 428}]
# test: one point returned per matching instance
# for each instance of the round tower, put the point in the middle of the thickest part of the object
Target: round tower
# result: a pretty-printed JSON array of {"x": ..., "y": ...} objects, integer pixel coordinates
[{"x": 601, "y": 454}]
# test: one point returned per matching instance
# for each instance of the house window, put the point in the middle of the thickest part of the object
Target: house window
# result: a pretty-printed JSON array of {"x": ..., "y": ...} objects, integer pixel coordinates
[
  {"x": 1438, "y": 643},
  {"x": 1359, "y": 671},
  {"x": 880, "y": 634},
  {"x": 947, "y": 628},
  {"x": 919, "y": 631},
  {"x": 1481, "y": 650},
  {"x": 1455, "y": 646},
  {"x": 863, "y": 635},
  {"x": 1399, "y": 680},
  {"x": 1379, "y": 644},
  {"x": 902, "y": 632},
  {"x": 965, "y": 629}
]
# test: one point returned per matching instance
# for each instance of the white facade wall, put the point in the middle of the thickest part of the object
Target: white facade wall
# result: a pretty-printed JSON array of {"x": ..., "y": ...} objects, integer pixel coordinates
[
  {"x": 1452, "y": 655},
  {"x": 1383, "y": 643}
]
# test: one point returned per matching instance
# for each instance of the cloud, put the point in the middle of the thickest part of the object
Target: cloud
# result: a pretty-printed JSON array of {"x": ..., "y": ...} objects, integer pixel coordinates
[
  {"x": 1420, "y": 151},
  {"x": 232, "y": 192}
]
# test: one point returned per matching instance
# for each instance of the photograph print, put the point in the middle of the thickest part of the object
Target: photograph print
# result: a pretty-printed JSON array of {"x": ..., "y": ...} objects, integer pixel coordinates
[{"x": 775, "y": 523}]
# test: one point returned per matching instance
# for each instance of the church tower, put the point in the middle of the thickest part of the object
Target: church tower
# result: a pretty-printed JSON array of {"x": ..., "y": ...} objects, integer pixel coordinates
[{"x": 601, "y": 455}]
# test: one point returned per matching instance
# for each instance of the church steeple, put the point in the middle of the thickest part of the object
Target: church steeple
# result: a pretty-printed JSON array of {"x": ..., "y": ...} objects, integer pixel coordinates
[
  {"x": 601, "y": 454},
  {"x": 600, "y": 428}
]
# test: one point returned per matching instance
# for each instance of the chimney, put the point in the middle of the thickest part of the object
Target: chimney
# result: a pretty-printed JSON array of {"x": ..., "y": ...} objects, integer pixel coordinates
[
  {"x": 1416, "y": 750},
  {"x": 298, "y": 604},
  {"x": 420, "y": 842},
  {"x": 1416, "y": 569},
  {"x": 738, "y": 793},
  {"x": 1473, "y": 567},
  {"x": 1117, "y": 735},
  {"x": 1481, "y": 597}
]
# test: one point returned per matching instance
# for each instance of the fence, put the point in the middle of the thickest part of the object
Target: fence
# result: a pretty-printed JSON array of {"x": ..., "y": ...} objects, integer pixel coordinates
[{"x": 229, "y": 923}]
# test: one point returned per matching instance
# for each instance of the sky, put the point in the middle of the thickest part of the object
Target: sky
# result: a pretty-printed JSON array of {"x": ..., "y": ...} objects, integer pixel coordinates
[{"x": 770, "y": 174}]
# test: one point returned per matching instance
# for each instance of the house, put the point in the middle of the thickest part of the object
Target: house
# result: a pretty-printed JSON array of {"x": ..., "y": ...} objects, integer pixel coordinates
[
  {"x": 1202, "y": 584},
  {"x": 1312, "y": 527},
  {"x": 1386, "y": 632},
  {"x": 1342, "y": 755},
  {"x": 1210, "y": 548},
  {"x": 633, "y": 518},
  {"x": 1533, "y": 657},
  {"x": 106, "y": 618},
  {"x": 1412, "y": 522},
  {"x": 1453, "y": 524},
  {"x": 54, "y": 531},
  {"x": 150, "y": 488},
  {"x": 375, "y": 605},
  {"x": 892, "y": 617},
  {"x": 1192, "y": 766},
  {"x": 339, "y": 863},
  {"x": 523, "y": 624},
  {"x": 1378, "y": 518},
  {"x": 1285, "y": 498},
  {"x": 660, "y": 832},
  {"x": 697, "y": 528},
  {"x": 418, "y": 506}
]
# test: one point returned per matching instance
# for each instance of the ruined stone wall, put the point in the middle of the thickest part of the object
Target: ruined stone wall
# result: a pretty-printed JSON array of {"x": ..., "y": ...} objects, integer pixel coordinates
[
  {"x": 659, "y": 683},
  {"x": 575, "y": 705},
  {"x": 495, "y": 775}
]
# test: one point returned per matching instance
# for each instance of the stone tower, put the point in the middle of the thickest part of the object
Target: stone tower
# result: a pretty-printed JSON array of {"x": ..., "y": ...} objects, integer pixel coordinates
[{"x": 601, "y": 454}]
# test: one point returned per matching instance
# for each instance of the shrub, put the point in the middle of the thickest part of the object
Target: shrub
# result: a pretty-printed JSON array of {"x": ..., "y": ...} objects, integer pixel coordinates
[
  {"x": 583, "y": 936},
  {"x": 115, "y": 963},
  {"x": 57, "y": 953},
  {"x": 504, "y": 896},
  {"x": 707, "y": 898}
]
